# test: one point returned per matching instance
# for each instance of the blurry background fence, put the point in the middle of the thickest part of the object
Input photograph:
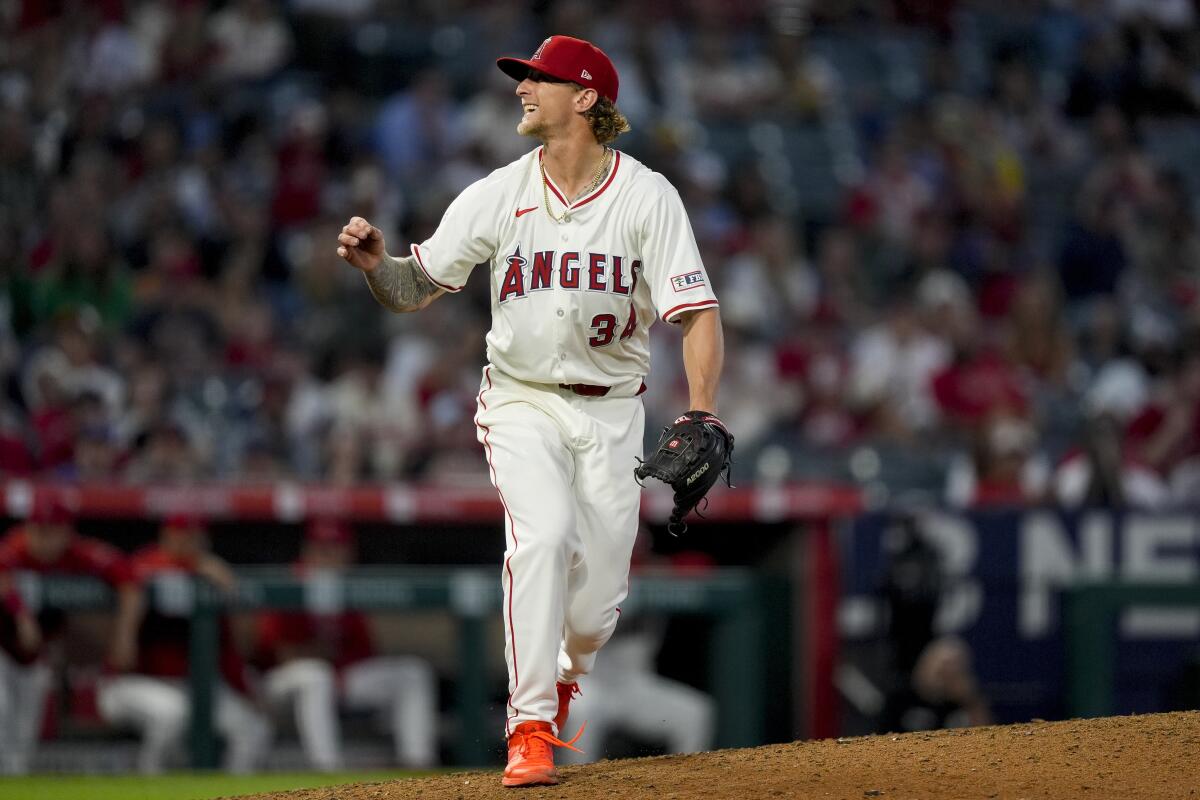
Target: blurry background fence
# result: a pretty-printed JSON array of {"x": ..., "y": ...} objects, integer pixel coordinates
[
  {"x": 1063, "y": 613},
  {"x": 733, "y": 596}
]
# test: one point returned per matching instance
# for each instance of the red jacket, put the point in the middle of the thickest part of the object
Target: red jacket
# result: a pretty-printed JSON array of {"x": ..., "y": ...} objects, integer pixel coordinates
[
  {"x": 84, "y": 556},
  {"x": 164, "y": 640},
  {"x": 344, "y": 638}
]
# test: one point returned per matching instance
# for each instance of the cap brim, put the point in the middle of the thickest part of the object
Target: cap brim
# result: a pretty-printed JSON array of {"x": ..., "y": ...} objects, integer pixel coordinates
[{"x": 515, "y": 68}]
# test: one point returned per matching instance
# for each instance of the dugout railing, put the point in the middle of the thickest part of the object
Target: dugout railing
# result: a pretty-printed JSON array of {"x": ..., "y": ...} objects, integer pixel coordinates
[
  {"x": 733, "y": 597},
  {"x": 1091, "y": 612},
  {"x": 798, "y": 637}
]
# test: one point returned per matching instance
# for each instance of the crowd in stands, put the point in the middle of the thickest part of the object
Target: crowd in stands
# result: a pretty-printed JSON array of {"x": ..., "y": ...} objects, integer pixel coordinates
[{"x": 955, "y": 242}]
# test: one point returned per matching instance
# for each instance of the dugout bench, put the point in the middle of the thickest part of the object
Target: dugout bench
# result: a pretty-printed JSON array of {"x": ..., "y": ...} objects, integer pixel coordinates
[{"x": 734, "y": 597}]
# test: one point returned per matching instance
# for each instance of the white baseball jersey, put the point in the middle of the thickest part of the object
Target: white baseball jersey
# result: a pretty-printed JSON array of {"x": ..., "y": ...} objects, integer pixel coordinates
[{"x": 572, "y": 300}]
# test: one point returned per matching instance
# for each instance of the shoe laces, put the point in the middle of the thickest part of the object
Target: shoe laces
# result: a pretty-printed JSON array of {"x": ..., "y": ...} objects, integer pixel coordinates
[{"x": 543, "y": 740}]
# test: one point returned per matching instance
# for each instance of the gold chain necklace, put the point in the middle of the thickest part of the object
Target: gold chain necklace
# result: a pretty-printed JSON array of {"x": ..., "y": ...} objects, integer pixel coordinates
[{"x": 601, "y": 171}]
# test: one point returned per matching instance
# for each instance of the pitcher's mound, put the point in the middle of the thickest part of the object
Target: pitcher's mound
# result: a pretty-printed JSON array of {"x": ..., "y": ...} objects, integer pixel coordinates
[{"x": 1130, "y": 758}]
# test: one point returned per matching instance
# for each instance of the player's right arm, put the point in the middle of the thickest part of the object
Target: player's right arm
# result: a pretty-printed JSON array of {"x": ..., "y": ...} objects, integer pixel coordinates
[
  {"x": 399, "y": 284},
  {"x": 29, "y": 632}
]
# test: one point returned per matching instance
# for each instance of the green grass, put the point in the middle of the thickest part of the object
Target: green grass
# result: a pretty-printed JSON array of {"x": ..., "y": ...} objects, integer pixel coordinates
[{"x": 177, "y": 786}]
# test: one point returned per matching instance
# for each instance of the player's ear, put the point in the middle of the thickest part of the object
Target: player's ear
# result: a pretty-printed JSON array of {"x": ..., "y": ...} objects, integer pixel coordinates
[{"x": 585, "y": 99}]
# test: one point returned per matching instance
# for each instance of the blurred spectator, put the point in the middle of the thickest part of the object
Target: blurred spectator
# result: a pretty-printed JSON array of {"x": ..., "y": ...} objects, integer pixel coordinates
[
  {"x": 1038, "y": 339},
  {"x": 768, "y": 282},
  {"x": 163, "y": 454},
  {"x": 894, "y": 195},
  {"x": 97, "y": 459},
  {"x": 252, "y": 40},
  {"x": 45, "y": 545},
  {"x": 979, "y": 379},
  {"x": 1093, "y": 257},
  {"x": 1004, "y": 467},
  {"x": 722, "y": 85},
  {"x": 893, "y": 364},
  {"x": 74, "y": 364},
  {"x": 1165, "y": 434},
  {"x": 1100, "y": 472},
  {"x": 416, "y": 130},
  {"x": 148, "y": 690},
  {"x": 171, "y": 175},
  {"x": 319, "y": 660},
  {"x": 88, "y": 275},
  {"x": 16, "y": 454}
]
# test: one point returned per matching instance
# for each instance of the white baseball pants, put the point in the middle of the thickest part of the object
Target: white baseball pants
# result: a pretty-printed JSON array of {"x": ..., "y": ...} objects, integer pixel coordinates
[
  {"x": 309, "y": 686},
  {"x": 563, "y": 467},
  {"x": 23, "y": 690},
  {"x": 404, "y": 689},
  {"x": 160, "y": 709}
]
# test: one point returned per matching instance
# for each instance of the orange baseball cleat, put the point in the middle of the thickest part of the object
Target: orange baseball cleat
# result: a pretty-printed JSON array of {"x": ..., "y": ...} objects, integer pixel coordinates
[
  {"x": 565, "y": 692},
  {"x": 530, "y": 757}
]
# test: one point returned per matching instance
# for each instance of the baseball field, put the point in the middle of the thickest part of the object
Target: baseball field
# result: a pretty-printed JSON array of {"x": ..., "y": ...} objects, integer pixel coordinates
[
  {"x": 1125, "y": 758},
  {"x": 175, "y": 786}
]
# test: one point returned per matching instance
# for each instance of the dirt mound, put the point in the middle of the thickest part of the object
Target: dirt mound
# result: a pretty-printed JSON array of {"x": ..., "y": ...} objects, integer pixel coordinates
[{"x": 1151, "y": 756}]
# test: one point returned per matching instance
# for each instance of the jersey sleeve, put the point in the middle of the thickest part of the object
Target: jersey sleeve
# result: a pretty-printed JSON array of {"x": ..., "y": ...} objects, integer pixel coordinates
[
  {"x": 671, "y": 260},
  {"x": 268, "y": 634},
  {"x": 466, "y": 236},
  {"x": 357, "y": 643},
  {"x": 104, "y": 561}
]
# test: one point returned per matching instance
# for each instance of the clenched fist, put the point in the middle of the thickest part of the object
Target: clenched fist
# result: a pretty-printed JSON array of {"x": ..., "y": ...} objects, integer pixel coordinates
[{"x": 361, "y": 244}]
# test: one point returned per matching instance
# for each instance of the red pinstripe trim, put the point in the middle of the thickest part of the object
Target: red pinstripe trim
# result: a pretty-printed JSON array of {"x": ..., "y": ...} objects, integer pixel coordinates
[
  {"x": 685, "y": 306},
  {"x": 600, "y": 191},
  {"x": 546, "y": 180},
  {"x": 421, "y": 263},
  {"x": 512, "y": 631},
  {"x": 593, "y": 195}
]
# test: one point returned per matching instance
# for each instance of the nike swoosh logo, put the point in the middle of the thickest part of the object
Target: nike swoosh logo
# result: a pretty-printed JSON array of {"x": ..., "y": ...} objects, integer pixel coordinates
[{"x": 526, "y": 210}]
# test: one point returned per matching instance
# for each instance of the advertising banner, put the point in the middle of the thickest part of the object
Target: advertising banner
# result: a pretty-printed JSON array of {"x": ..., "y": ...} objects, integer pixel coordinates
[{"x": 1003, "y": 574}]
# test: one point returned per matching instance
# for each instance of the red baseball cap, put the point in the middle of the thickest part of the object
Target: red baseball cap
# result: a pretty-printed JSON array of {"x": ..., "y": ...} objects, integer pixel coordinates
[
  {"x": 184, "y": 521},
  {"x": 568, "y": 59},
  {"x": 51, "y": 510},
  {"x": 326, "y": 529}
]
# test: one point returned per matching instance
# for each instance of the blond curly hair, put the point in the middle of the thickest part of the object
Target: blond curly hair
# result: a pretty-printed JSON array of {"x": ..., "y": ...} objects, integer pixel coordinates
[{"x": 607, "y": 122}]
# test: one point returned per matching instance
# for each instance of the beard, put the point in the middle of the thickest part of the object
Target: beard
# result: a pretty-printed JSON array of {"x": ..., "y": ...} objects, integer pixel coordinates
[{"x": 531, "y": 128}]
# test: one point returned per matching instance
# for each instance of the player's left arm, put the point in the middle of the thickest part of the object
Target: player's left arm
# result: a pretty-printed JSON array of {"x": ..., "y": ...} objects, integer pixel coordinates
[
  {"x": 131, "y": 609},
  {"x": 108, "y": 563},
  {"x": 703, "y": 357}
]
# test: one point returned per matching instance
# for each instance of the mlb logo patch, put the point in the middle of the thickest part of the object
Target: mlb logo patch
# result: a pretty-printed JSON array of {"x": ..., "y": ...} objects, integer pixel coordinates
[{"x": 687, "y": 281}]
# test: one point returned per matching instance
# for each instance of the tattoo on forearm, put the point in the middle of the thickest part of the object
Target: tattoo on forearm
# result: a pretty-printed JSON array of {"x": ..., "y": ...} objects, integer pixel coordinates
[{"x": 399, "y": 284}]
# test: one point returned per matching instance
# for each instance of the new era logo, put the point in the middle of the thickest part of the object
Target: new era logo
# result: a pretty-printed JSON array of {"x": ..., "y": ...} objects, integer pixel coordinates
[
  {"x": 587, "y": 76},
  {"x": 690, "y": 280}
]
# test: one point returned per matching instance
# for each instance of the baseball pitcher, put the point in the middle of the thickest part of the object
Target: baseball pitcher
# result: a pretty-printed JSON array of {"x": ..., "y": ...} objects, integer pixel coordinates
[{"x": 585, "y": 249}]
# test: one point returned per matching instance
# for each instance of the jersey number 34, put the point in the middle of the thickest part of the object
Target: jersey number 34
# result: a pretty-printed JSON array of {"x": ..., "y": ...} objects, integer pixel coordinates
[{"x": 605, "y": 325}]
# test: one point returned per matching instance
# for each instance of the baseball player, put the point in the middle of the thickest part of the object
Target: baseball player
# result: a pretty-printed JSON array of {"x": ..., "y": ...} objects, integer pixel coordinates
[
  {"x": 149, "y": 691},
  {"x": 317, "y": 660},
  {"x": 45, "y": 544},
  {"x": 585, "y": 248}
]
